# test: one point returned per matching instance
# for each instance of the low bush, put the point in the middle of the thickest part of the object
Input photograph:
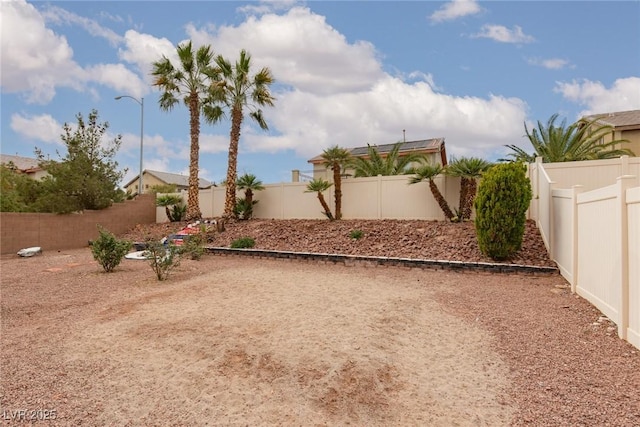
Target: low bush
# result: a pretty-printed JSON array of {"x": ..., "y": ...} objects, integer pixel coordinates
[
  {"x": 108, "y": 250},
  {"x": 193, "y": 246},
  {"x": 243, "y": 243},
  {"x": 356, "y": 234},
  {"x": 163, "y": 258}
]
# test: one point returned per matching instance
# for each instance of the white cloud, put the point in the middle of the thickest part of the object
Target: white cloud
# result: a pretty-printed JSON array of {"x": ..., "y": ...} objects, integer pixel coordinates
[
  {"x": 551, "y": 63},
  {"x": 301, "y": 49},
  {"x": 623, "y": 95},
  {"x": 37, "y": 64},
  {"x": 503, "y": 34},
  {"x": 117, "y": 77},
  {"x": 59, "y": 16},
  {"x": 309, "y": 123},
  {"x": 40, "y": 128},
  {"x": 455, "y": 9}
]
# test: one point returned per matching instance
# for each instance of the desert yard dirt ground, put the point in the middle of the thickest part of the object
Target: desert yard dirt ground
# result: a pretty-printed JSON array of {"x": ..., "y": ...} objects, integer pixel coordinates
[{"x": 244, "y": 341}]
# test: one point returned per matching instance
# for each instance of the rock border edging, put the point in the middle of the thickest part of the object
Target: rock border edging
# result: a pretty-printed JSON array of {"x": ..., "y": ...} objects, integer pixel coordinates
[{"x": 350, "y": 260}]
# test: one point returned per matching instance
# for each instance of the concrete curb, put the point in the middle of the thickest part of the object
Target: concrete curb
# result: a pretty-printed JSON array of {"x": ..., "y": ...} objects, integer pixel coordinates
[{"x": 351, "y": 260}]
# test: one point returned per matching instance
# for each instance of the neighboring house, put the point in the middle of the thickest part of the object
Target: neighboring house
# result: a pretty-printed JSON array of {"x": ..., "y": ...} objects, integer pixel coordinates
[
  {"x": 625, "y": 124},
  {"x": 434, "y": 148},
  {"x": 151, "y": 178},
  {"x": 26, "y": 165}
]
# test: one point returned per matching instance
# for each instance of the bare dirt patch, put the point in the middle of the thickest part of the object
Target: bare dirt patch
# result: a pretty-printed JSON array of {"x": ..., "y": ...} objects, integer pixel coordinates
[{"x": 237, "y": 341}]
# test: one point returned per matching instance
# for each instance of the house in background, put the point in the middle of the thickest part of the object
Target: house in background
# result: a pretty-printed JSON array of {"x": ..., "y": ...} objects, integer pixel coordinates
[
  {"x": 625, "y": 124},
  {"x": 151, "y": 178},
  {"x": 433, "y": 148},
  {"x": 26, "y": 165}
]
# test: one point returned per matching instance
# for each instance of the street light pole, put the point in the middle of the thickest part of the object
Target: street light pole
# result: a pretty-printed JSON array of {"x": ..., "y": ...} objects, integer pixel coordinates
[{"x": 141, "y": 102}]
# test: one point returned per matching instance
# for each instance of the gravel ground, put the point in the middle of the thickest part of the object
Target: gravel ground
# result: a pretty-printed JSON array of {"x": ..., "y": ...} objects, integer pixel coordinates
[
  {"x": 565, "y": 365},
  {"x": 435, "y": 240}
]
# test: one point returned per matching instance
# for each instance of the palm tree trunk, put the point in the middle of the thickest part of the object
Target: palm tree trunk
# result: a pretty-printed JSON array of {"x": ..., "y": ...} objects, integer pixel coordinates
[
  {"x": 337, "y": 181},
  {"x": 232, "y": 174},
  {"x": 441, "y": 200},
  {"x": 323, "y": 202},
  {"x": 248, "y": 196},
  {"x": 472, "y": 186},
  {"x": 464, "y": 190},
  {"x": 193, "y": 201}
]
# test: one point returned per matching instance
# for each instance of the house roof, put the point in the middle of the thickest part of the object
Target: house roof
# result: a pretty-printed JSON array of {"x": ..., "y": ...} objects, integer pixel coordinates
[
  {"x": 433, "y": 145},
  {"x": 621, "y": 120},
  {"x": 24, "y": 164},
  {"x": 171, "y": 178}
]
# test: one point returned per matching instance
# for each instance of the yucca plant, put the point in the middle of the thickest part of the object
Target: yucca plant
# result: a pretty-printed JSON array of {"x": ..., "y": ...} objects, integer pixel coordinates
[
  {"x": 428, "y": 172},
  {"x": 468, "y": 169},
  {"x": 318, "y": 185}
]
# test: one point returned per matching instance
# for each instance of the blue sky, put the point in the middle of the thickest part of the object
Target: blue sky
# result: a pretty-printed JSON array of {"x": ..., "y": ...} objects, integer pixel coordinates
[{"x": 348, "y": 73}]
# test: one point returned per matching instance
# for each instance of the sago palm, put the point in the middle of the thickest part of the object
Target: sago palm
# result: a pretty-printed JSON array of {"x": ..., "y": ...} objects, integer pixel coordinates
[
  {"x": 337, "y": 159},
  {"x": 428, "y": 172},
  {"x": 235, "y": 90},
  {"x": 391, "y": 164},
  {"x": 562, "y": 143},
  {"x": 188, "y": 81},
  {"x": 318, "y": 185},
  {"x": 468, "y": 169}
]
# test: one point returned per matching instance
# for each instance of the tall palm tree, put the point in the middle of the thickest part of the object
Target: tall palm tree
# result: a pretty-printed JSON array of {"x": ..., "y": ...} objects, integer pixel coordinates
[
  {"x": 189, "y": 82},
  {"x": 562, "y": 143},
  {"x": 249, "y": 183},
  {"x": 337, "y": 159},
  {"x": 233, "y": 91},
  {"x": 468, "y": 169},
  {"x": 429, "y": 171},
  {"x": 318, "y": 185},
  {"x": 391, "y": 164}
]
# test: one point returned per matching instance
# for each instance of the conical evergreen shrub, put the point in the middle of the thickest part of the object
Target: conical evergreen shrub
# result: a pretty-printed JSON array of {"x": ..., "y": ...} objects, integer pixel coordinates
[{"x": 501, "y": 206}]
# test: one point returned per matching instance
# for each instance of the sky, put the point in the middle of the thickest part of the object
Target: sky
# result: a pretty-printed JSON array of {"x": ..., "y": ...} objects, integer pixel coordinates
[{"x": 347, "y": 73}]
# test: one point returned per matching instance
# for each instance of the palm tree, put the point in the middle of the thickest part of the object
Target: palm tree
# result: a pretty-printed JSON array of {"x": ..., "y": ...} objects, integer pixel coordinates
[
  {"x": 391, "y": 164},
  {"x": 189, "y": 82},
  {"x": 468, "y": 169},
  {"x": 579, "y": 141},
  {"x": 318, "y": 185},
  {"x": 249, "y": 183},
  {"x": 336, "y": 159},
  {"x": 244, "y": 205},
  {"x": 429, "y": 171},
  {"x": 234, "y": 90}
]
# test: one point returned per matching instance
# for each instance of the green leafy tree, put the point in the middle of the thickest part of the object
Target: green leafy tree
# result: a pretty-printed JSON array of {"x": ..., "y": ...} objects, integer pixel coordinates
[
  {"x": 86, "y": 177},
  {"x": 319, "y": 185},
  {"x": 163, "y": 188},
  {"x": 428, "y": 172},
  {"x": 501, "y": 206},
  {"x": 392, "y": 164},
  {"x": 10, "y": 198},
  {"x": 468, "y": 169},
  {"x": 234, "y": 90},
  {"x": 337, "y": 159},
  {"x": 188, "y": 81},
  {"x": 562, "y": 143}
]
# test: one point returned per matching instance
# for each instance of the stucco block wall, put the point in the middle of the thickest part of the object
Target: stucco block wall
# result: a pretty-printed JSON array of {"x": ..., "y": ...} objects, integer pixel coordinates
[{"x": 55, "y": 232}]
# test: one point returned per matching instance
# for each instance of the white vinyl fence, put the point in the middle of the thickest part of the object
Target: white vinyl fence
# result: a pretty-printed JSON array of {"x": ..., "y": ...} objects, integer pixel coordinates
[
  {"x": 592, "y": 232},
  {"x": 379, "y": 197}
]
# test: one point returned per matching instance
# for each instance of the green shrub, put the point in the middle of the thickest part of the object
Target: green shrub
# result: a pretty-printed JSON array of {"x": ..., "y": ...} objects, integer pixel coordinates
[
  {"x": 162, "y": 258},
  {"x": 108, "y": 250},
  {"x": 503, "y": 198},
  {"x": 243, "y": 243},
  {"x": 244, "y": 208},
  {"x": 193, "y": 246},
  {"x": 356, "y": 234}
]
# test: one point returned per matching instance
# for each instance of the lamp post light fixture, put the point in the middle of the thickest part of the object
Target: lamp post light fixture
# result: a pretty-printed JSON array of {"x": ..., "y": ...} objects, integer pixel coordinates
[{"x": 141, "y": 102}]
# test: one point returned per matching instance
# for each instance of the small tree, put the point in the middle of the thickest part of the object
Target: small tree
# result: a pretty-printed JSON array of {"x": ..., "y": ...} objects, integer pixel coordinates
[
  {"x": 318, "y": 185},
  {"x": 108, "y": 250},
  {"x": 174, "y": 208},
  {"x": 468, "y": 169},
  {"x": 501, "y": 206},
  {"x": 86, "y": 177},
  {"x": 391, "y": 164},
  {"x": 336, "y": 159},
  {"x": 163, "y": 258},
  {"x": 428, "y": 172},
  {"x": 249, "y": 183}
]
